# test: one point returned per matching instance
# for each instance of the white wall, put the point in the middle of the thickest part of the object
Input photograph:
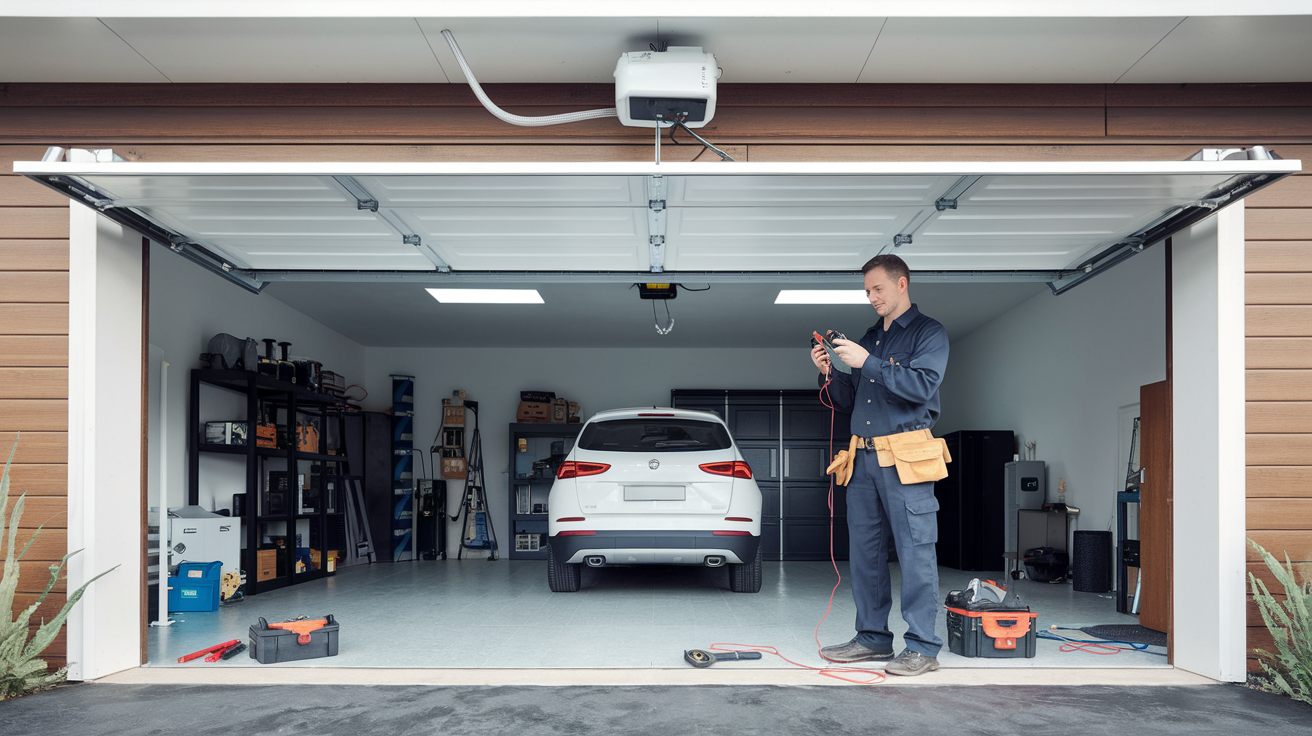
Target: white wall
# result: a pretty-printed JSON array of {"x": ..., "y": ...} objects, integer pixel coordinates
[
  {"x": 104, "y": 446},
  {"x": 597, "y": 379},
  {"x": 1209, "y": 441},
  {"x": 1056, "y": 369},
  {"x": 188, "y": 306}
]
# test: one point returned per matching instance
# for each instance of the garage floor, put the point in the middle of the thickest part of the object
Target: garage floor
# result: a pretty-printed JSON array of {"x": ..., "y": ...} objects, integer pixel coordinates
[{"x": 474, "y": 613}]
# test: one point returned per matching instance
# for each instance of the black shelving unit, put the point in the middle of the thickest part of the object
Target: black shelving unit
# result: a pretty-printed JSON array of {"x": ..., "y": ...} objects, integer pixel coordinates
[
  {"x": 538, "y": 440},
  {"x": 313, "y": 507},
  {"x": 784, "y": 436}
]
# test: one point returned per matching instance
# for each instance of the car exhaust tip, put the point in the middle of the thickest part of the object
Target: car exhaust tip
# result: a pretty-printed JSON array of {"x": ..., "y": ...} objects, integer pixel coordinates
[
  {"x": 714, "y": 561},
  {"x": 595, "y": 561}
]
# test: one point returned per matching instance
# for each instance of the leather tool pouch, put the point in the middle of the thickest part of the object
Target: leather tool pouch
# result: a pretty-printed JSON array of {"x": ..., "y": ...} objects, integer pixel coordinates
[{"x": 920, "y": 457}]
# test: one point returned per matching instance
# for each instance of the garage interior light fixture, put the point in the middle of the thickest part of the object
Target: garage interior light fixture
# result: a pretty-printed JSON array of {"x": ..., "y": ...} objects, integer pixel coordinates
[
  {"x": 821, "y": 296},
  {"x": 486, "y": 296}
]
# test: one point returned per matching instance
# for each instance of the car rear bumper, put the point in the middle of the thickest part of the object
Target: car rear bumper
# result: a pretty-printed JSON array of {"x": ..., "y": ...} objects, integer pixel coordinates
[{"x": 645, "y": 547}]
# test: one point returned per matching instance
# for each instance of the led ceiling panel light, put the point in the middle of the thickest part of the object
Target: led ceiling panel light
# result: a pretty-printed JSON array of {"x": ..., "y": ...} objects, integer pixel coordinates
[
  {"x": 821, "y": 296},
  {"x": 486, "y": 296}
]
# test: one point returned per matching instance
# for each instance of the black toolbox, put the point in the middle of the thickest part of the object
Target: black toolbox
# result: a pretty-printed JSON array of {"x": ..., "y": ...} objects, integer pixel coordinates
[
  {"x": 271, "y": 644},
  {"x": 992, "y": 634}
]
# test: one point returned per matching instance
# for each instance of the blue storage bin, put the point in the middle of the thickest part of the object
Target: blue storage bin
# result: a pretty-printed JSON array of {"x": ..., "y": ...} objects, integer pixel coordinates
[{"x": 195, "y": 587}]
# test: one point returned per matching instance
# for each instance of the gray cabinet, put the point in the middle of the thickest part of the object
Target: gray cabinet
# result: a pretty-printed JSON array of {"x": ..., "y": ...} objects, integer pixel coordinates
[{"x": 784, "y": 435}]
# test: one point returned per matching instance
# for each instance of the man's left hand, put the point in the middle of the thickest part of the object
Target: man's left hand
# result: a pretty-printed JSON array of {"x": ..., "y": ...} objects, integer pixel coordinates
[{"x": 851, "y": 353}]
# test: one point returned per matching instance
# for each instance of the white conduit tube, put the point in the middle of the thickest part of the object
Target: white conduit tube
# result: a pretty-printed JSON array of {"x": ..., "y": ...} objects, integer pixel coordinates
[{"x": 568, "y": 117}]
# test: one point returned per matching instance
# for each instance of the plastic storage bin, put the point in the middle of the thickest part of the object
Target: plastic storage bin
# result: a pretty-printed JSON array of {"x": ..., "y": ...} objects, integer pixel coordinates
[
  {"x": 270, "y": 645},
  {"x": 992, "y": 634},
  {"x": 195, "y": 587}
]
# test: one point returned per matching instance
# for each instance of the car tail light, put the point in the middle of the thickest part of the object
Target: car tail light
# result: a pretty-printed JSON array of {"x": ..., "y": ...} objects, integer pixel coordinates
[
  {"x": 571, "y": 469},
  {"x": 735, "y": 469},
  {"x": 571, "y": 518},
  {"x": 727, "y": 518},
  {"x": 729, "y": 533},
  {"x": 579, "y": 533}
]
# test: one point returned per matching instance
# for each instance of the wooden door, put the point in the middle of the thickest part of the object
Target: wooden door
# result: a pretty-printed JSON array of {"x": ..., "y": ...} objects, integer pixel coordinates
[{"x": 1155, "y": 509}]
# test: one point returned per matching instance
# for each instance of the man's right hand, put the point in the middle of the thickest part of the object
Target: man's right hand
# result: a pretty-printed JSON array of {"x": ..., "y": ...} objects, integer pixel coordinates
[{"x": 821, "y": 359}]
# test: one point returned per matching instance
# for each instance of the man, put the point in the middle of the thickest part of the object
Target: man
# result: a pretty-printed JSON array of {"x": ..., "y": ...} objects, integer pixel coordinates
[{"x": 897, "y": 368}]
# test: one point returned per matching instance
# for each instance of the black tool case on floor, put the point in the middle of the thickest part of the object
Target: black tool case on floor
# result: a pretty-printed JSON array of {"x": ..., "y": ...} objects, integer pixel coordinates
[
  {"x": 994, "y": 633},
  {"x": 270, "y": 646}
]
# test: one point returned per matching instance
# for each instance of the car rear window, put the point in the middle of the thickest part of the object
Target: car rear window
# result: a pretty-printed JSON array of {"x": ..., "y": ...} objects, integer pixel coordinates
[{"x": 654, "y": 435}]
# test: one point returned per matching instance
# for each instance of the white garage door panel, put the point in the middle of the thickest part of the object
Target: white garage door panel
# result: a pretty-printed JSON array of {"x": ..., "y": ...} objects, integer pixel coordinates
[
  {"x": 805, "y": 191},
  {"x": 535, "y": 238},
  {"x": 705, "y": 216},
  {"x": 555, "y": 253},
  {"x": 1081, "y": 190},
  {"x": 500, "y": 191},
  {"x": 259, "y": 191},
  {"x": 784, "y": 238}
]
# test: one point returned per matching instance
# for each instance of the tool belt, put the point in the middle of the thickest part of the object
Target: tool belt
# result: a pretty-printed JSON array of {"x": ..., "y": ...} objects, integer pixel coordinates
[{"x": 920, "y": 457}]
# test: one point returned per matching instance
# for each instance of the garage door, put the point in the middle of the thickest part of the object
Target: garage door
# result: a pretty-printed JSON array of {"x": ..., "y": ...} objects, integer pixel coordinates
[{"x": 1055, "y": 222}]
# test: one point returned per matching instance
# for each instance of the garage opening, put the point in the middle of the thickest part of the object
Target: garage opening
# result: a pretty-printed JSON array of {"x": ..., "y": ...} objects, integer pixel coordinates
[{"x": 337, "y": 261}]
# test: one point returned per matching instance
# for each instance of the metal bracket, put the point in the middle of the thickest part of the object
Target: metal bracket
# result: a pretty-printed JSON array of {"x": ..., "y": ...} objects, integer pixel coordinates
[
  {"x": 656, "y": 214},
  {"x": 1254, "y": 153},
  {"x": 901, "y": 239},
  {"x": 412, "y": 240},
  {"x": 945, "y": 204}
]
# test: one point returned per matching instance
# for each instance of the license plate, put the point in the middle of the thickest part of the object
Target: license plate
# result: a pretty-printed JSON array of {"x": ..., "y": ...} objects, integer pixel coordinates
[{"x": 653, "y": 493}]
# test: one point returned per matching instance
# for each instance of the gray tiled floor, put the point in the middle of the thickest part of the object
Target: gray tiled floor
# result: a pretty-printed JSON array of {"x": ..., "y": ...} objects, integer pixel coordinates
[{"x": 475, "y": 613}]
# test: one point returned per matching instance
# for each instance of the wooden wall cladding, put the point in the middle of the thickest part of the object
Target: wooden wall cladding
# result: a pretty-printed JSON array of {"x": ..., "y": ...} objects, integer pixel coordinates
[{"x": 34, "y": 372}]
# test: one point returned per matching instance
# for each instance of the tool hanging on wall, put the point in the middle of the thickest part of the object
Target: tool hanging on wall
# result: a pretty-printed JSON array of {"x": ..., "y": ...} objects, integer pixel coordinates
[{"x": 477, "y": 530}]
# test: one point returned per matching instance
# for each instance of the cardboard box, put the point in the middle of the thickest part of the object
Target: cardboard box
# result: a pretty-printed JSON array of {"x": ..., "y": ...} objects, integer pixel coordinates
[
  {"x": 559, "y": 411},
  {"x": 266, "y": 564},
  {"x": 266, "y": 435},
  {"x": 453, "y": 468},
  {"x": 533, "y": 411},
  {"x": 452, "y": 416}
]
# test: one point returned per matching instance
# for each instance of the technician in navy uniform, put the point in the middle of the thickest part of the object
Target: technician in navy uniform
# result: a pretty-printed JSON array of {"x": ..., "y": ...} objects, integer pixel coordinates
[{"x": 897, "y": 368}]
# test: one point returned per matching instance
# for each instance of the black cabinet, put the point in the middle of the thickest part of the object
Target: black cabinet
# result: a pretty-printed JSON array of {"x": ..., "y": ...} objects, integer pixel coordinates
[
  {"x": 972, "y": 500},
  {"x": 785, "y": 437},
  {"x": 369, "y": 436}
]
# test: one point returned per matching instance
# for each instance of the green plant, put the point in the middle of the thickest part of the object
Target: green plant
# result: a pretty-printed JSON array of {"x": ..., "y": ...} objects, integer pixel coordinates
[
  {"x": 21, "y": 671},
  {"x": 1289, "y": 669}
]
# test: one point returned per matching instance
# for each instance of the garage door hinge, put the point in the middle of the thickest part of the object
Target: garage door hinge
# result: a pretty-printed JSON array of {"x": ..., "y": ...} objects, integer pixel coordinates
[
  {"x": 945, "y": 204},
  {"x": 901, "y": 239},
  {"x": 367, "y": 204},
  {"x": 656, "y": 205},
  {"x": 411, "y": 240}
]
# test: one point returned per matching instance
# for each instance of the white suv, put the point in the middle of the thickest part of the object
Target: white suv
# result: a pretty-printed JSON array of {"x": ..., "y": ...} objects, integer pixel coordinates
[{"x": 654, "y": 486}]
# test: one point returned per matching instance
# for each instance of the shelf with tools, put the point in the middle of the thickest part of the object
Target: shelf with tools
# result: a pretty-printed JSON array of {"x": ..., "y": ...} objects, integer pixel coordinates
[
  {"x": 292, "y": 504},
  {"x": 536, "y": 451}
]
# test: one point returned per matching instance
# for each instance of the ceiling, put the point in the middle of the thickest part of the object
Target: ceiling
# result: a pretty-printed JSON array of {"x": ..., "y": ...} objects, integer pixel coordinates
[
  {"x": 1038, "y": 47},
  {"x": 612, "y": 315}
]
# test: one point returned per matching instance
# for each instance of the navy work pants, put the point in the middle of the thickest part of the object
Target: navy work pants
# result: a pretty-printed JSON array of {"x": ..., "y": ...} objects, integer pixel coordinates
[{"x": 877, "y": 503}]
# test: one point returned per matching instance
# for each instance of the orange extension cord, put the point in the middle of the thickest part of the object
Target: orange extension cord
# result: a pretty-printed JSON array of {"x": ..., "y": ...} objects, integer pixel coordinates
[{"x": 876, "y": 676}]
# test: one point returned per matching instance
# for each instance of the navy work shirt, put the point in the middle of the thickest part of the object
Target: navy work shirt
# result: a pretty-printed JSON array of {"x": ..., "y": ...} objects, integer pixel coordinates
[{"x": 885, "y": 398}]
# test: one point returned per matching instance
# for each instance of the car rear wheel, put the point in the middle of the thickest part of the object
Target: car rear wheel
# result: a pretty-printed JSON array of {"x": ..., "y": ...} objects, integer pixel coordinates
[
  {"x": 564, "y": 578},
  {"x": 746, "y": 578}
]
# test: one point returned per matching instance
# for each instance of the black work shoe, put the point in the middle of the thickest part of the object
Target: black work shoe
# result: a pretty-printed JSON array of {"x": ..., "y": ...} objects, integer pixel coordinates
[
  {"x": 911, "y": 663},
  {"x": 853, "y": 651}
]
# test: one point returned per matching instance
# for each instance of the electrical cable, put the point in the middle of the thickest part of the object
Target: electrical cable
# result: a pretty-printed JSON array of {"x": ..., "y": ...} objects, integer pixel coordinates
[
  {"x": 677, "y": 122},
  {"x": 655, "y": 321},
  {"x": 535, "y": 121},
  {"x": 876, "y": 676}
]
